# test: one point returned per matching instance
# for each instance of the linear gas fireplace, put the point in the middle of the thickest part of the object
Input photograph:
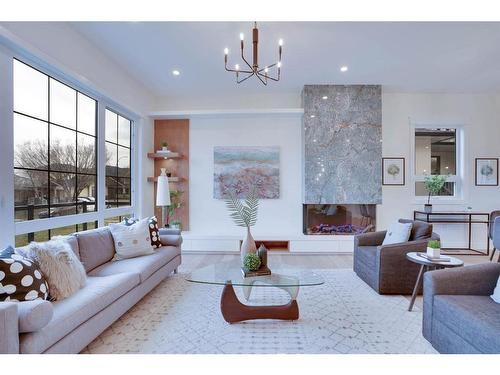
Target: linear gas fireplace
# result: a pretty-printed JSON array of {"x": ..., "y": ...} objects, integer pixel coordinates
[{"x": 338, "y": 219}]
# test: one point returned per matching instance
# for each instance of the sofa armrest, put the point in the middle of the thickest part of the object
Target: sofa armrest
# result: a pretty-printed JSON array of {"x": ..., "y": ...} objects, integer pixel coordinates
[
  {"x": 170, "y": 237},
  {"x": 403, "y": 248},
  {"x": 479, "y": 279},
  {"x": 369, "y": 239},
  {"x": 9, "y": 330},
  {"x": 34, "y": 315}
]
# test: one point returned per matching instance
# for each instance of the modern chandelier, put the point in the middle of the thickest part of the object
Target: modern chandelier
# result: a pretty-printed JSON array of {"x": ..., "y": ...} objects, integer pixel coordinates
[{"x": 262, "y": 73}]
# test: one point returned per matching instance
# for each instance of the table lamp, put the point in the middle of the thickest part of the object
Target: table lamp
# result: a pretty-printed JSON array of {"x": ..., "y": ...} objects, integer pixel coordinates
[{"x": 163, "y": 195}]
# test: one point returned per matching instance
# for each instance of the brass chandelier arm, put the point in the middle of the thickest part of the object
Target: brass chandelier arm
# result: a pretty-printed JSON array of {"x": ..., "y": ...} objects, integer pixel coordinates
[
  {"x": 268, "y": 67},
  {"x": 244, "y": 79},
  {"x": 275, "y": 79},
  {"x": 259, "y": 76},
  {"x": 245, "y": 60},
  {"x": 238, "y": 71}
]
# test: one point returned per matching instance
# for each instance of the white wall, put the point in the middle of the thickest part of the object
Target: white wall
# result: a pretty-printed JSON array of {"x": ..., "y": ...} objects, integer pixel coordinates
[
  {"x": 208, "y": 216},
  {"x": 480, "y": 115}
]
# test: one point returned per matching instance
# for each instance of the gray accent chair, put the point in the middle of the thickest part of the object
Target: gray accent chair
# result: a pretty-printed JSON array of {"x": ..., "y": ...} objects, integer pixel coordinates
[
  {"x": 112, "y": 288},
  {"x": 385, "y": 268},
  {"x": 459, "y": 315},
  {"x": 493, "y": 216}
]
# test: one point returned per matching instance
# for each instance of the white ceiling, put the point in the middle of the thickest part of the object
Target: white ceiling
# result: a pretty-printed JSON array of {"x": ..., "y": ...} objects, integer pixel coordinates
[{"x": 429, "y": 57}]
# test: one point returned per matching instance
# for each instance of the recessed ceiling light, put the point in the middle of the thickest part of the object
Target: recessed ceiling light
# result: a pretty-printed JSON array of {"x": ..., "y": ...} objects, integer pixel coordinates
[
  {"x": 325, "y": 97},
  {"x": 344, "y": 68},
  {"x": 176, "y": 72},
  {"x": 313, "y": 116}
]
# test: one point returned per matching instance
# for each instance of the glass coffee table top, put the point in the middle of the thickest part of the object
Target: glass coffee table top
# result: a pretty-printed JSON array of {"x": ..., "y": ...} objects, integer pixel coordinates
[{"x": 230, "y": 273}]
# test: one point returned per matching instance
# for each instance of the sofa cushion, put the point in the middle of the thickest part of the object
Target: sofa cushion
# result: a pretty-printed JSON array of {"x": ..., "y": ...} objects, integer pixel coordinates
[
  {"x": 475, "y": 318},
  {"x": 397, "y": 233},
  {"x": 153, "y": 229},
  {"x": 145, "y": 265},
  {"x": 34, "y": 315},
  {"x": 419, "y": 229},
  {"x": 98, "y": 293},
  {"x": 96, "y": 247},
  {"x": 20, "y": 278},
  {"x": 72, "y": 241},
  {"x": 59, "y": 264}
]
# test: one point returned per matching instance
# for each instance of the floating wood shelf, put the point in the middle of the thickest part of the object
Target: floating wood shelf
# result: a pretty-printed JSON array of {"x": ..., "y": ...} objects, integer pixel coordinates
[
  {"x": 170, "y": 179},
  {"x": 164, "y": 155}
]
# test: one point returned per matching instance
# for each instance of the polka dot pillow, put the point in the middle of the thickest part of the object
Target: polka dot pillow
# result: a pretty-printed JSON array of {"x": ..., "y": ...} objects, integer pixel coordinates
[
  {"x": 153, "y": 229},
  {"x": 20, "y": 278}
]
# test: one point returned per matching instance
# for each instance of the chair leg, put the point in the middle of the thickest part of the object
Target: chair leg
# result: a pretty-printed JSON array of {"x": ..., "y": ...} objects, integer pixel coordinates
[{"x": 492, "y": 254}]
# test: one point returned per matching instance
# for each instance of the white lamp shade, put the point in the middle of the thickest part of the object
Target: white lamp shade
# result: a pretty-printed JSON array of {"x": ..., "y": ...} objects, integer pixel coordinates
[{"x": 162, "y": 190}]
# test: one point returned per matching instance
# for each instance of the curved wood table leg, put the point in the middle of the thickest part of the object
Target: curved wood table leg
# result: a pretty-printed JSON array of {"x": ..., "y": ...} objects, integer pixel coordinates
[{"x": 234, "y": 311}]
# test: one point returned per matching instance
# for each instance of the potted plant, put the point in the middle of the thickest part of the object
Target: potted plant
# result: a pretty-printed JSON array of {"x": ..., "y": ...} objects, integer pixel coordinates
[
  {"x": 164, "y": 146},
  {"x": 176, "y": 224},
  {"x": 433, "y": 184},
  {"x": 434, "y": 249},
  {"x": 244, "y": 214},
  {"x": 175, "y": 203}
]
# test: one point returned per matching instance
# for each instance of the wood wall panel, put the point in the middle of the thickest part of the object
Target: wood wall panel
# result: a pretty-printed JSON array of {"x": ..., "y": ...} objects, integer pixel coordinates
[{"x": 176, "y": 134}]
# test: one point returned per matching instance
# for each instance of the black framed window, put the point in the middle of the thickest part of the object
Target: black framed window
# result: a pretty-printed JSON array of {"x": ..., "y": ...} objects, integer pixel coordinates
[
  {"x": 55, "y": 147},
  {"x": 118, "y": 156}
]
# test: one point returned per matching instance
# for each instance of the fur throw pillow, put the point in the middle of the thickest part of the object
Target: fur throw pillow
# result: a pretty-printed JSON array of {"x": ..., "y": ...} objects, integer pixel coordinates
[{"x": 60, "y": 266}]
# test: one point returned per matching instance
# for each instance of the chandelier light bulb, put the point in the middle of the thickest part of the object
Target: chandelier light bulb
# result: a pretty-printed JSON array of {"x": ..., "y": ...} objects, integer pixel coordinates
[
  {"x": 266, "y": 69},
  {"x": 226, "y": 51},
  {"x": 280, "y": 42},
  {"x": 237, "y": 67},
  {"x": 279, "y": 64},
  {"x": 242, "y": 36}
]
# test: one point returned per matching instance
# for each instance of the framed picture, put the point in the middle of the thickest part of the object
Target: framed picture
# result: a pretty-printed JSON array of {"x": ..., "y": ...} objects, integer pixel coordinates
[
  {"x": 486, "y": 171},
  {"x": 393, "y": 171}
]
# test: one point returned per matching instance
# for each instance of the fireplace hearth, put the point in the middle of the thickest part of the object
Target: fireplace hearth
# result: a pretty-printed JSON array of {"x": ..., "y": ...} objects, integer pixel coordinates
[{"x": 338, "y": 219}]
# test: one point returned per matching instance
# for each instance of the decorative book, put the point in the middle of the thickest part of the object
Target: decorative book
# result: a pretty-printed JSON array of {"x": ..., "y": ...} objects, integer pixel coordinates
[
  {"x": 262, "y": 271},
  {"x": 440, "y": 259}
]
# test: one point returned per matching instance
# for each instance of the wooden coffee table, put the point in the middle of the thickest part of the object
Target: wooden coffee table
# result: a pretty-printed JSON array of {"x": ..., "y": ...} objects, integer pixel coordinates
[
  {"x": 229, "y": 275},
  {"x": 427, "y": 264}
]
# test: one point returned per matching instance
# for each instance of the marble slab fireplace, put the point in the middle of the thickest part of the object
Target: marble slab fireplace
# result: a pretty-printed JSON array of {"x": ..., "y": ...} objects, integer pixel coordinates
[
  {"x": 342, "y": 156},
  {"x": 338, "y": 219}
]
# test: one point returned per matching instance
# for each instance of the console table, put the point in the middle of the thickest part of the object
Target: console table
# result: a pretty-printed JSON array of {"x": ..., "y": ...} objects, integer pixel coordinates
[{"x": 459, "y": 217}]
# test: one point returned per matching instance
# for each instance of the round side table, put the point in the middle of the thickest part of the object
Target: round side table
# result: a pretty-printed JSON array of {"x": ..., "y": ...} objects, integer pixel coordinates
[{"x": 428, "y": 264}]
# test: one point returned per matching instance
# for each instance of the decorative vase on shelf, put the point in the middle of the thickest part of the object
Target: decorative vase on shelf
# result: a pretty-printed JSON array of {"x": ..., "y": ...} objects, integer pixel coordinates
[
  {"x": 248, "y": 246},
  {"x": 164, "y": 149}
]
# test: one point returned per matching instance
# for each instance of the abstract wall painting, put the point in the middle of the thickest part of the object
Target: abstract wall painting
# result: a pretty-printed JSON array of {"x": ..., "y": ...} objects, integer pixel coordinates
[
  {"x": 486, "y": 171},
  {"x": 239, "y": 169},
  {"x": 393, "y": 171}
]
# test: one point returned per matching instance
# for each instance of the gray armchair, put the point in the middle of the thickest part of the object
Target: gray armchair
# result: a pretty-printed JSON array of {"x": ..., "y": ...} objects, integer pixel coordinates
[
  {"x": 493, "y": 216},
  {"x": 459, "y": 314},
  {"x": 385, "y": 268}
]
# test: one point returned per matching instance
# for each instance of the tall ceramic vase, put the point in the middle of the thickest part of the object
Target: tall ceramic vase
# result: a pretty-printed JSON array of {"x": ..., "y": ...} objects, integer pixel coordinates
[{"x": 248, "y": 245}]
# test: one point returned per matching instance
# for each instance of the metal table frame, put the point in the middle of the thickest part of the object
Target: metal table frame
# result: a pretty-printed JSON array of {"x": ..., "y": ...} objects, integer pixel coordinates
[{"x": 462, "y": 218}]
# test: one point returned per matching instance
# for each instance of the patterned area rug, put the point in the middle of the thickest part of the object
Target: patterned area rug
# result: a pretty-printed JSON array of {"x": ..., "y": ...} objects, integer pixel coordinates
[{"x": 342, "y": 316}]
